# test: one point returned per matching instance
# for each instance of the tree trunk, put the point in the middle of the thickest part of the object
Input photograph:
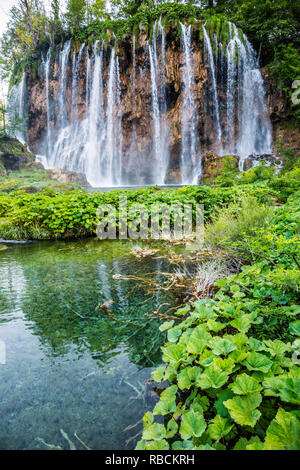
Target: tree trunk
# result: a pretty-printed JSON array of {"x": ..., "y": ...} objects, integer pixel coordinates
[{"x": 27, "y": 12}]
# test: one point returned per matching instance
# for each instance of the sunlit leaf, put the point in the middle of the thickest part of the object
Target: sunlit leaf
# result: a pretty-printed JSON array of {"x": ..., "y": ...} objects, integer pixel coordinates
[
  {"x": 257, "y": 361},
  {"x": 245, "y": 384},
  {"x": 243, "y": 409},
  {"x": 219, "y": 427},
  {"x": 283, "y": 432},
  {"x": 192, "y": 424}
]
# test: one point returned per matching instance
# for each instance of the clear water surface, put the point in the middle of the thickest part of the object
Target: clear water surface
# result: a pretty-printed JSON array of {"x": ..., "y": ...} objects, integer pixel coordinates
[{"x": 70, "y": 368}]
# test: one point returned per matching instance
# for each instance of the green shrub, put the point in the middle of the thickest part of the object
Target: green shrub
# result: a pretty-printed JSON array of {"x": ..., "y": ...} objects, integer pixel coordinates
[
  {"x": 73, "y": 214},
  {"x": 232, "y": 363},
  {"x": 286, "y": 183},
  {"x": 229, "y": 390},
  {"x": 238, "y": 221}
]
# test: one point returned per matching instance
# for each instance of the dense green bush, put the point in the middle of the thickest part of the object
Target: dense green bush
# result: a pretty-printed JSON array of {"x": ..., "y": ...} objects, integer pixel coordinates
[
  {"x": 171, "y": 12},
  {"x": 73, "y": 214},
  {"x": 240, "y": 220},
  {"x": 282, "y": 184}
]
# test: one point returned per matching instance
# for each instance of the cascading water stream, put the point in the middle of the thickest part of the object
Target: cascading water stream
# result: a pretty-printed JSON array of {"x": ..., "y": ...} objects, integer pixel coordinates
[
  {"x": 159, "y": 106},
  {"x": 103, "y": 150},
  {"x": 231, "y": 77},
  {"x": 60, "y": 155},
  {"x": 248, "y": 130},
  {"x": 21, "y": 97},
  {"x": 165, "y": 131},
  {"x": 75, "y": 71},
  {"x": 190, "y": 152},
  {"x": 88, "y": 79},
  {"x": 208, "y": 55},
  {"x": 95, "y": 117},
  {"x": 87, "y": 136},
  {"x": 133, "y": 148},
  {"x": 61, "y": 97},
  {"x": 155, "y": 107},
  {"x": 17, "y": 109},
  {"x": 112, "y": 162},
  {"x": 92, "y": 145},
  {"x": 47, "y": 74}
]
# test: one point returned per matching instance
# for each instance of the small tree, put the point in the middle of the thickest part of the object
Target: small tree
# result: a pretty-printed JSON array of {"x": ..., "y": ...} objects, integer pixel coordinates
[
  {"x": 76, "y": 14},
  {"x": 130, "y": 7},
  {"x": 96, "y": 10},
  {"x": 55, "y": 23},
  {"x": 3, "y": 120}
]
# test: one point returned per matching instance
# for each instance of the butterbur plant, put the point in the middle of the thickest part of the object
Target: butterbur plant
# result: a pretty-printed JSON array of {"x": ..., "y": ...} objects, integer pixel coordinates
[{"x": 227, "y": 389}]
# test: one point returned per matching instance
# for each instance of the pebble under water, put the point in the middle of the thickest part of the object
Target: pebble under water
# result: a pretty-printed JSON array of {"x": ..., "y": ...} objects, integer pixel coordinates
[{"x": 71, "y": 370}]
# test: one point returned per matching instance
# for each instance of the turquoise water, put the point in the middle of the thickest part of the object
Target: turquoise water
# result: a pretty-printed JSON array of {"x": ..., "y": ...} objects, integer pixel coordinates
[{"x": 70, "y": 368}]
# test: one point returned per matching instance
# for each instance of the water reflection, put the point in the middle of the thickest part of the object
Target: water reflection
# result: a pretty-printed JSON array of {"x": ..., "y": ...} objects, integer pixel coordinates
[{"x": 70, "y": 365}]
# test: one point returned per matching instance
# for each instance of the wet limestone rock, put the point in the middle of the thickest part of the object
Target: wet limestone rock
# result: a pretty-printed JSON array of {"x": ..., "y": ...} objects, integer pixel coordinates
[
  {"x": 280, "y": 110},
  {"x": 65, "y": 176},
  {"x": 13, "y": 155},
  {"x": 212, "y": 165},
  {"x": 136, "y": 103}
]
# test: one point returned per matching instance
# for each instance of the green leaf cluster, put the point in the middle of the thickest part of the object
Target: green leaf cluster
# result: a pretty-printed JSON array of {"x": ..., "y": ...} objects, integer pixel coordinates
[{"x": 233, "y": 364}]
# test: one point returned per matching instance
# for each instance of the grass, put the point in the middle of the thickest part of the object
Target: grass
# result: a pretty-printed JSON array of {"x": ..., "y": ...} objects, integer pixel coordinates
[{"x": 32, "y": 180}]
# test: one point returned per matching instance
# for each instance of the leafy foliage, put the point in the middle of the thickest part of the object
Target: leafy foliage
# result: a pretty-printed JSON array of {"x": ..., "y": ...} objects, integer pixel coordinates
[
  {"x": 73, "y": 214},
  {"x": 234, "y": 381},
  {"x": 273, "y": 27}
]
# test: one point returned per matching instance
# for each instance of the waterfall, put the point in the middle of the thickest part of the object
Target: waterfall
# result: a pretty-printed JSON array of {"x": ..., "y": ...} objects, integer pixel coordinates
[
  {"x": 209, "y": 56},
  {"x": 112, "y": 161},
  {"x": 92, "y": 145},
  {"x": 155, "y": 109},
  {"x": 88, "y": 78},
  {"x": 103, "y": 150},
  {"x": 61, "y": 97},
  {"x": 68, "y": 135},
  {"x": 120, "y": 293},
  {"x": 256, "y": 135},
  {"x": 165, "y": 131},
  {"x": 133, "y": 147},
  {"x": 190, "y": 152},
  {"x": 75, "y": 71},
  {"x": 95, "y": 116},
  {"x": 21, "y": 98},
  {"x": 47, "y": 73},
  {"x": 159, "y": 106},
  {"x": 17, "y": 109},
  {"x": 231, "y": 78},
  {"x": 235, "y": 113},
  {"x": 248, "y": 129}
]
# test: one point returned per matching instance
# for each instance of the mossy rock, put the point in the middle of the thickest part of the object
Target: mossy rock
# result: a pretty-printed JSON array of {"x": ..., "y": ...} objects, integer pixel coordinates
[
  {"x": 214, "y": 165},
  {"x": 29, "y": 189},
  {"x": 14, "y": 155},
  {"x": 34, "y": 166}
]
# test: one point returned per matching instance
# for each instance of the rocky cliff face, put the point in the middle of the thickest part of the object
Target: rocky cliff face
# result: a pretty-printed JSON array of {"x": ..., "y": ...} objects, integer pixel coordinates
[
  {"x": 280, "y": 109},
  {"x": 136, "y": 105}
]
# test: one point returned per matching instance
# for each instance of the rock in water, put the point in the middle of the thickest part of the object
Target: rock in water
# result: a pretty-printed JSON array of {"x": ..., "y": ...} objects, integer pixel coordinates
[
  {"x": 213, "y": 164},
  {"x": 65, "y": 176}
]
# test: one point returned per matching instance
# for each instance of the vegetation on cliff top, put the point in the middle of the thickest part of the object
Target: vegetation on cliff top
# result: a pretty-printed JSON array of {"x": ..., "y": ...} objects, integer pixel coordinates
[{"x": 273, "y": 27}]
